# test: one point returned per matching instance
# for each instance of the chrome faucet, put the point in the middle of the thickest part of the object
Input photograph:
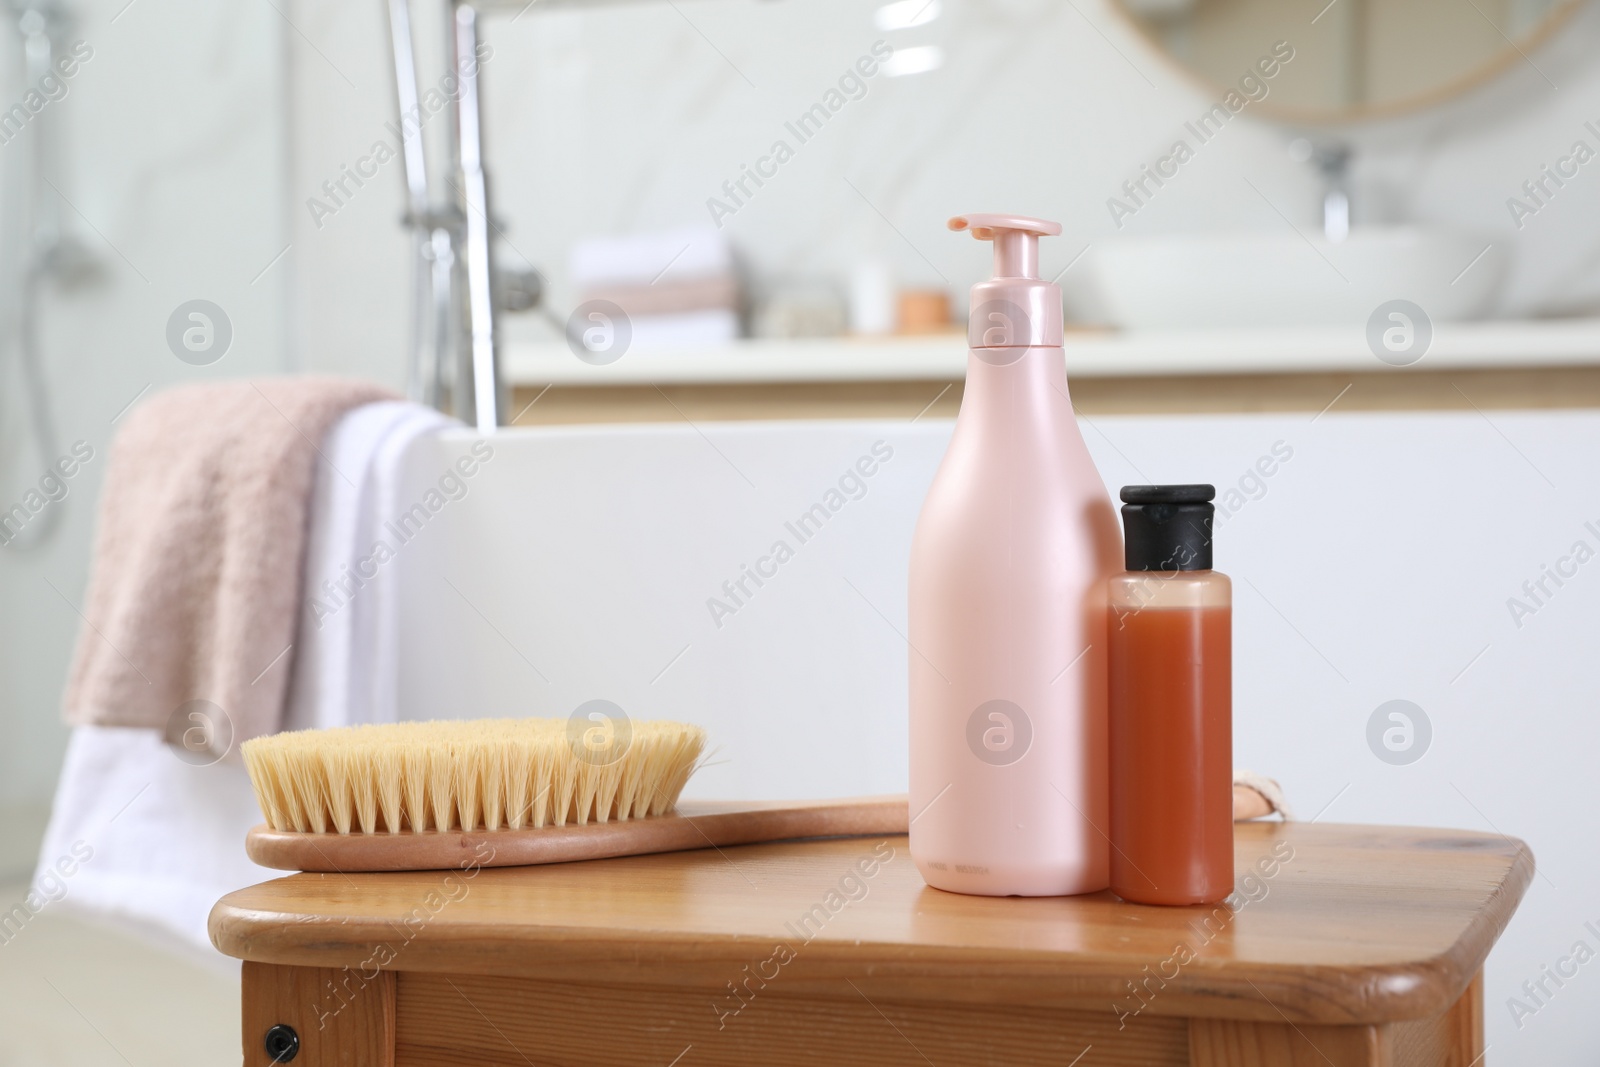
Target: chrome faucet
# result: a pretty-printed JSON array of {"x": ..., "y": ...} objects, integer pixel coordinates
[{"x": 1333, "y": 163}]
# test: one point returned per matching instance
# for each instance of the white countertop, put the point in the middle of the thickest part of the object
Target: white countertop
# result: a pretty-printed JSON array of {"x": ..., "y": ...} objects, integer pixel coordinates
[{"x": 1565, "y": 342}]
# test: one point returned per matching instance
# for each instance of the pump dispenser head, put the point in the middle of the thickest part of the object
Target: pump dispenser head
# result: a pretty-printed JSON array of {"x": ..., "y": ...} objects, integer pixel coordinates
[{"x": 1015, "y": 308}]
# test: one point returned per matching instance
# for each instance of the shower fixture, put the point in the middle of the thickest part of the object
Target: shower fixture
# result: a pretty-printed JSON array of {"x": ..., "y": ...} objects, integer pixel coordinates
[{"x": 47, "y": 252}]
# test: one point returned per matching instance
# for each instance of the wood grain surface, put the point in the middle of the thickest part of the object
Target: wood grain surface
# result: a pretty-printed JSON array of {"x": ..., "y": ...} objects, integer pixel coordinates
[
  {"x": 1329, "y": 924},
  {"x": 1454, "y": 1039},
  {"x": 341, "y": 1019},
  {"x": 443, "y": 1020},
  {"x": 553, "y": 1023},
  {"x": 1384, "y": 389},
  {"x": 413, "y": 1019}
]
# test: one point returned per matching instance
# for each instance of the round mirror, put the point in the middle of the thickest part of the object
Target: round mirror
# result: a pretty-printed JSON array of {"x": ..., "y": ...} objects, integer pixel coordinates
[{"x": 1341, "y": 60}]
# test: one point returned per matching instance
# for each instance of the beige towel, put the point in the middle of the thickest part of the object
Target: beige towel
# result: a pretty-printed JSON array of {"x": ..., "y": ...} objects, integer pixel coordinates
[
  {"x": 671, "y": 297},
  {"x": 195, "y": 584}
]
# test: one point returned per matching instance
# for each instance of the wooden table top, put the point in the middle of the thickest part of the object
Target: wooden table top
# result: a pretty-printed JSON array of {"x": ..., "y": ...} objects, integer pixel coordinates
[{"x": 1329, "y": 924}]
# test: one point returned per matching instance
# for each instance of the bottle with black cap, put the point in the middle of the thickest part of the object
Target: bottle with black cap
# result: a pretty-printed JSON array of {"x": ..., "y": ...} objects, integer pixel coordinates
[{"x": 1170, "y": 689}]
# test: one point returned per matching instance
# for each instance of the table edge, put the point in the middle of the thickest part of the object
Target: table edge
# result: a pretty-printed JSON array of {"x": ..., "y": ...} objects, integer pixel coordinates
[{"x": 1356, "y": 993}]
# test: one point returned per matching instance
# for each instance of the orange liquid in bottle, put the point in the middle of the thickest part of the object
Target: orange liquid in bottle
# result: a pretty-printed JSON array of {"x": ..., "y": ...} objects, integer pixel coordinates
[{"x": 1171, "y": 737}]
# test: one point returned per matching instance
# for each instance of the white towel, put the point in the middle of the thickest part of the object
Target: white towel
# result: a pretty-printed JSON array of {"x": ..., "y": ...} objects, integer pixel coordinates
[
  {"x": 688, "y": 329},
  {"x": 164, "y": 838},
  {"x": 347, "y": 652},
  {"x": 150, "y": 842},
  {"x": 649, "y": 257}
]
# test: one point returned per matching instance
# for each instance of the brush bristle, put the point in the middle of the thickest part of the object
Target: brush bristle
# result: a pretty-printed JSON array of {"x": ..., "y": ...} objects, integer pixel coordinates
[{"x": 489, "y": 774}]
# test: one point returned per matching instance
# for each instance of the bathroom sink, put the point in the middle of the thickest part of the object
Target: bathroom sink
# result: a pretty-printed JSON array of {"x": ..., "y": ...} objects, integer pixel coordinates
[{"x": 1270, "y": 278}]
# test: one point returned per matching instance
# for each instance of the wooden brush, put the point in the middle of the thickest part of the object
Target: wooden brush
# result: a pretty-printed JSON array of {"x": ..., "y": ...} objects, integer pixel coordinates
[
  {"x": 488, "y": 773},
  {"x": 507, "y": 792}
]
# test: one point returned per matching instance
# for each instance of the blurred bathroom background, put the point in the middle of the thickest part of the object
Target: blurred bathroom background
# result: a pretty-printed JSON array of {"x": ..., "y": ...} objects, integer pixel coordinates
[{"x": 191, "y": 153}]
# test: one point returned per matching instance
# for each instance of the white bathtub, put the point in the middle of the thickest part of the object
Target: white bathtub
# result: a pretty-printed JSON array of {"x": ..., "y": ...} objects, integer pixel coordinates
[{"x": 1374, "y": 563}]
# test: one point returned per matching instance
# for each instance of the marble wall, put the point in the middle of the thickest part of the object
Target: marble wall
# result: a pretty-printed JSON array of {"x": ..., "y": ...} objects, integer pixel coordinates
[
  {"x": 173, "y": 182},
  {"x": 634, "y": 116}
]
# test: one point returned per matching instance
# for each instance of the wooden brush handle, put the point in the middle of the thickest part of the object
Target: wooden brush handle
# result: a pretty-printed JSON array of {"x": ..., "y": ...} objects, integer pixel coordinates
[{"x": 695, "y": 824}]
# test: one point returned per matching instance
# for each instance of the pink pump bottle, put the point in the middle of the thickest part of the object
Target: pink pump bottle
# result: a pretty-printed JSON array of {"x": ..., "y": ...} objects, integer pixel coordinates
[{"x": 1009, "y": 568}]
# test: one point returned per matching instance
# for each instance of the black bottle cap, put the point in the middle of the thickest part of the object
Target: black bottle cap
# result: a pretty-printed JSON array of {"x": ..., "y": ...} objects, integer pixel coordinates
[{"x": 1167, "y": 527}]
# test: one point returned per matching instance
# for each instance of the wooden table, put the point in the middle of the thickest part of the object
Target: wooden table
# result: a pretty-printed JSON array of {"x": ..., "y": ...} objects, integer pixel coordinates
[{"x": 1345, "y": 945}]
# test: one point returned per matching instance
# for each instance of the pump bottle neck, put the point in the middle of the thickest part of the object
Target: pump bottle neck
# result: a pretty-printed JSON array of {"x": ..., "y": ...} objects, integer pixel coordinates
[{"x": 1015, "y": 308}]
